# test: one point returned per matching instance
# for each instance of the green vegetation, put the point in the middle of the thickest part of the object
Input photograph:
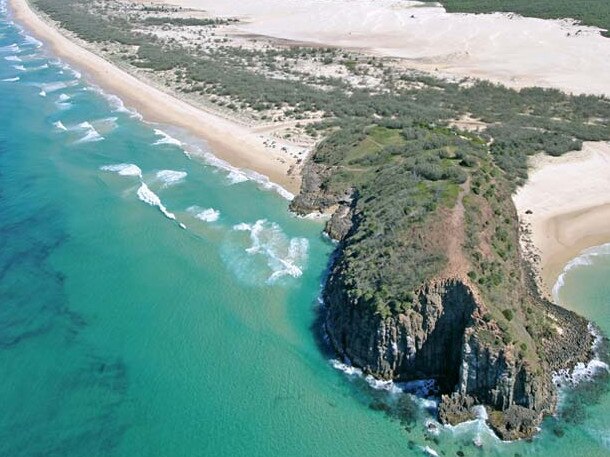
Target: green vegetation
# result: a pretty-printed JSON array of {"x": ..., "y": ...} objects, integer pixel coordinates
[
  {"x": 396, "y": 153},
  {"x": 588, "y": 12},
  {"x": 187, "y": 22}
]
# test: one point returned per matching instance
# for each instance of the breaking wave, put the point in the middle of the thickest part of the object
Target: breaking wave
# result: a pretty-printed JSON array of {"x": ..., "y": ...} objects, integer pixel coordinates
[
  {"x": 91, "y": 134},
  {"x": 60, "y": 126},
  {"x": 11, "y": 80},
  {"x": 166, "y": 139},
  {"x": 13, "y": 58},
  {"x": 205, "y": 215},
  {"x": 31, "y": 40},
  {"x": 585, "y": 258},
  {"x": 148, "y": 196},
  {"x": 10, "y": 48},
  {"x": 171, "y": 177},
  {"x": 124, "y": 169},
  {"x": 283, "y": 256},
  {"x": 583, "y": 372},
  {"x": 237, "y": 175},
  {"x": 115, "y": 102},
  {"x": 49, "y": 88}
]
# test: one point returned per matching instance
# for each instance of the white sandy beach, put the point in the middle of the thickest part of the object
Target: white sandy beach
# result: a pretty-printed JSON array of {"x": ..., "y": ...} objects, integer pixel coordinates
[
  {"x": 238, "y": 145},
  {"x": 509, "y": 49},
  {"x": 569, "y": 197},
  {"x": 569, "y": 200}
]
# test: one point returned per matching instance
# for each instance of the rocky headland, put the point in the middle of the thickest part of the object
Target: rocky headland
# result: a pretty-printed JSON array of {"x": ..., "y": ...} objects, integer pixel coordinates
[{"x": 447, "y": 334}]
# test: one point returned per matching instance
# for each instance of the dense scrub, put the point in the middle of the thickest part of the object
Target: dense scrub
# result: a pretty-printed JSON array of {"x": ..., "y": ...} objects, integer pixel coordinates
[
  {"x": 588, "y": 12},
  {"x": 397, "y": 152}
]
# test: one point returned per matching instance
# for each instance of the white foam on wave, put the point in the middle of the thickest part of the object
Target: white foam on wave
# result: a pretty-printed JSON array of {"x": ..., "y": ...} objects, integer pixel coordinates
[
  {"x": 284, "y": 256},
  {"x": 171, "y": 177},
  {"x": 166, "y": 139},
  {"x": 124, "y": 169},
  {"x": 149, "y": 197},
  {"x": 60, "y": 126},
  {"x": 11, "y": 80},
  {"x": 585, "y": 258},
  {"x": 42, "y": 93},
  {"x": 19, "y": 67},
  {"x": 51, "y": 87},
  {"x": 38, "y": 68},
  {"x": 115, "y": 102},
  {"x": 64, "y": 66},
  {"x": 583, "y": 372},
  {"x": 10, "y": 48},
  {"x": 31, "y": 40},
  {"x": 237, "y": 175},
  {"x": 427, "y": 450},
  {"x": 13, "y": 58},
  {"x": 205, "y": 215},
  {"x": 63, "y": 98},
  {"x": 420, "y": 388},
  {"x": 91, "y": 134},
  {"x": 105, "y": 125}
]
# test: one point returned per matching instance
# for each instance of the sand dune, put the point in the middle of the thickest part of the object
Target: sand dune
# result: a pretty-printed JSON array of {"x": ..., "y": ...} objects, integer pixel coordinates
[{"x": 505, "y": 48}]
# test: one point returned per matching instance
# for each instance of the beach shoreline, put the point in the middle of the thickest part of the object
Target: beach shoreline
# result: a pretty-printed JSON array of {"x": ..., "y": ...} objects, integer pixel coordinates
[
  {"x": 565, "y": 209},
  {"x": 563, "y": 206},
  {"x": 230, "y": 141}
]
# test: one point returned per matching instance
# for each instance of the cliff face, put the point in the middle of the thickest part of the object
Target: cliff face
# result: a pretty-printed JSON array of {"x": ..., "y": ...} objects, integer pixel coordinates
[
  {"x": 443, "y": 338},
  {"x": 447, "y": 333}
]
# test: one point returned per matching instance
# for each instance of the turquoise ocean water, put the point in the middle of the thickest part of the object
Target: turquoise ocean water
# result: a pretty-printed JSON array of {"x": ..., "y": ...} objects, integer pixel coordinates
[{"x": 153, "y": 304}]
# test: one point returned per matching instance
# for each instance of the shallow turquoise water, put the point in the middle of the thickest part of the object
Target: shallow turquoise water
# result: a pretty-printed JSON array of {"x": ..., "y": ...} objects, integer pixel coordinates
[{"x": 123, "y": 333}]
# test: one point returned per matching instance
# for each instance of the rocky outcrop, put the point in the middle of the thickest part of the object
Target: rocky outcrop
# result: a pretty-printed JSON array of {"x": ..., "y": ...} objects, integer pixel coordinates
[
  {"x": 443, "y": 337},
  {"x": 446, "y": 334},
  {"x": 425, "y": 342}
]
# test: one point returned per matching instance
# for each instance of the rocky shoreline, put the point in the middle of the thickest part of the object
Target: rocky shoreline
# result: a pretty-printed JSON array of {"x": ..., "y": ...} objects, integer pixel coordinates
[{"x": 446, "y": 336}]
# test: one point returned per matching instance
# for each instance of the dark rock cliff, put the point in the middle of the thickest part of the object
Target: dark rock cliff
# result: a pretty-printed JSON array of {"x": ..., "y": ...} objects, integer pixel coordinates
[{"x": 445, "y": 335}]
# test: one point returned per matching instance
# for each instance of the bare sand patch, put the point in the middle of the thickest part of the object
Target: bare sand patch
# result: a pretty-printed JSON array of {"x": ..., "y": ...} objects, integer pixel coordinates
[
  {"x": 500, "y": 47},
  {"x": 566, "y": 205}
]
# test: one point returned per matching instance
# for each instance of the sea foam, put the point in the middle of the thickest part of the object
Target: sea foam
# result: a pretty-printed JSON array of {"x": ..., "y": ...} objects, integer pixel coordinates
[
  {"x": 10, "y": 48},
  {"x": 171, "y": 177},
  {"x": 236, "y": 175},
  {"x": 31, "y": 40},
  {"x": 585, "y": 258},
  {"x": 284, "y": 257},
  {"x": 60, "y": 126},
  {"x": 124, "y": 169},
  {"x": 205, "y": 215},
  {"x": 91, "y": 134},
  {"x": 149, "y": 197},
  {"x": 583, "y": 372},
  {"x": 166, "y": 139},
  {"x": 11, "y": 80}
]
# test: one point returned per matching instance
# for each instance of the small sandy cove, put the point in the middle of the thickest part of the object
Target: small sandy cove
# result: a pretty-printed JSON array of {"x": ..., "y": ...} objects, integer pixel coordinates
[
  {"x": 230, "y": 141},
  {"x": 566, "y": 203}
]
